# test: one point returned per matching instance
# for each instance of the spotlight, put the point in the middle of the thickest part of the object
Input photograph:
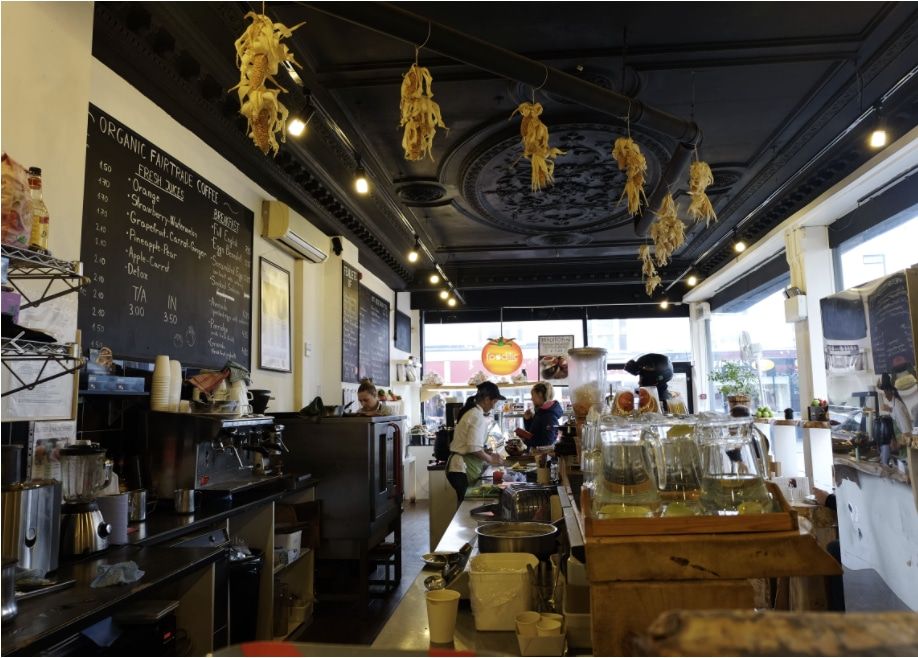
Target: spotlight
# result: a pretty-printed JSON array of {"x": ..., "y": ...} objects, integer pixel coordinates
[
  {"x": 739, "y": 246},
  {"x": 444, "y": 294},
  {"x": 664, "y": 304},
  {"x": 692, "y": 280},
  {"x": 415, "y": 251},
  {"x": 451, "y": 301},
  {"x": 878, "y": 138},
  {"x": 361, "y": 182},
  {"x": 296, "y": 127},
  {"x": 434, "y": 278}
]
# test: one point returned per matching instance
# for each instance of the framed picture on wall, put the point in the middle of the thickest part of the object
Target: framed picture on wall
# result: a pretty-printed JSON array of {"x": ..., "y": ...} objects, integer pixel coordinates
[{"x": 274, "y": 319}]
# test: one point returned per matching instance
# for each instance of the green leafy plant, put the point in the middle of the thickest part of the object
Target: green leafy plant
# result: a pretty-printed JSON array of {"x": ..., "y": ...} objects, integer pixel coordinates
[{"x": 735, "y": 378}]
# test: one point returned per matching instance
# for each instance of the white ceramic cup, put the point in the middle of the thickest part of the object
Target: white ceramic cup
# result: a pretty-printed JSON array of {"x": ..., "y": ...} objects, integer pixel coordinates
[
  {"x": 548, "y": 628},
  {"x": 442, "y": 606},
  {"x": 526, "y": 623}
]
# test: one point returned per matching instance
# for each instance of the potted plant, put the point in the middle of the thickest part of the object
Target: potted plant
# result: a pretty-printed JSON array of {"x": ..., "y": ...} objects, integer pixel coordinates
[{"x": 736, "y": 381}]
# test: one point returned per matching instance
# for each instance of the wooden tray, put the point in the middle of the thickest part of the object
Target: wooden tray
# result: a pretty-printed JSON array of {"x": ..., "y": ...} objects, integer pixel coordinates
[{"x": 786, "y": 519}]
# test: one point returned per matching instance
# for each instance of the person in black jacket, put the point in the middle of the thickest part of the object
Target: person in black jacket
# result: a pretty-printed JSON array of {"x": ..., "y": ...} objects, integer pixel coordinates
[{"x": 541, "y": 425}]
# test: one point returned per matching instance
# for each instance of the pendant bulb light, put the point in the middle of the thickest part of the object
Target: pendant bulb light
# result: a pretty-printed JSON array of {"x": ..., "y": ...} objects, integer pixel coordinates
[
  {"x": 664, "y": 304},
  {"x": 296, "y": 127},
  {"x": 361, "y": 182},
  {"x": 879, "y": 137},
  {"x": 739, "y": 245},
  {"x": 415, "y": 252},
  {"x": 444, "y": 294},
  {"x": 434, "y": 278},
  {"x": 451, "y": 301},
  {"x": 692, "y": 280}
]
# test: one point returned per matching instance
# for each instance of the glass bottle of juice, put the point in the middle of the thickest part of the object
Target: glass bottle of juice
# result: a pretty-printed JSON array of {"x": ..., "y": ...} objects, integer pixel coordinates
[{"x": 40, "y": 219}]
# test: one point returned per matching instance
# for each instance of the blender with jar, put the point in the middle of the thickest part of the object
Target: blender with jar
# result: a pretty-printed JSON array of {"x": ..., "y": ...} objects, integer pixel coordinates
[{"x": 84, "y": 473}]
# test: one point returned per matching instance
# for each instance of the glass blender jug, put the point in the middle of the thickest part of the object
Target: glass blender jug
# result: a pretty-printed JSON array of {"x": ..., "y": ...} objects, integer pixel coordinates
[
  {"x": 733, "y": 467},
  {"x": 625, "y": 485},
  {"x": 84, "y": 471}
]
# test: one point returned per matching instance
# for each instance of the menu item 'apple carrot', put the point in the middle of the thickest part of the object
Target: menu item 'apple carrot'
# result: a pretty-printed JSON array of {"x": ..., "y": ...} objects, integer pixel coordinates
[
  {"x": 259, "y": 54},
  {"x": 628, "y": 155},
  {"x": 700, "y": 208},
  {"x": 535, "y": 145},
  {"x": 420, "y": 114}
]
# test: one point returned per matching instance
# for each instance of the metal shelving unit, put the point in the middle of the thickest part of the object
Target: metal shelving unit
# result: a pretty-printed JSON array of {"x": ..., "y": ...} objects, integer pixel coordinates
[{"x": 28, "y": 265}]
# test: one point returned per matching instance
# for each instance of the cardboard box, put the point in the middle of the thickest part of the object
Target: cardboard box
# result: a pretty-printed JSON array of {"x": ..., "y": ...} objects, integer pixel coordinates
[{"x": 533, "y": 645}]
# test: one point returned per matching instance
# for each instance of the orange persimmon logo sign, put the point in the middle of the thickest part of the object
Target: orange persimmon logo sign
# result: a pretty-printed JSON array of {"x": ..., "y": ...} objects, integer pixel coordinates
[{"x": 501, "y": 356}]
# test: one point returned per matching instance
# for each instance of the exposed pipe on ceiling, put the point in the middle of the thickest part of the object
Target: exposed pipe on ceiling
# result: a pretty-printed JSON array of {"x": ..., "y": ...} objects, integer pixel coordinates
[{"x": 396, "y": 22}]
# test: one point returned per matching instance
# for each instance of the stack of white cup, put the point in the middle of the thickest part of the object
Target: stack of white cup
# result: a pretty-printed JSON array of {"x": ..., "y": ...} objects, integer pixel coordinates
[{"x": 160, "y": 391}]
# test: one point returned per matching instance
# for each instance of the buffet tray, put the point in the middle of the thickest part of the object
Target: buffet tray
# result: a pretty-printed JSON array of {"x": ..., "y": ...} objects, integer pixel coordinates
[{"x": 786, "y": 519}]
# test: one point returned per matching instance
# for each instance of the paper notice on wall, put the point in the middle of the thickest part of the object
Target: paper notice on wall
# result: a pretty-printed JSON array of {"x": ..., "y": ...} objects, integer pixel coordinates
[
  {"x": 553, "y": 358},
  {"x": 50, "y": 400},
  {"x": 46, "y": 438}
]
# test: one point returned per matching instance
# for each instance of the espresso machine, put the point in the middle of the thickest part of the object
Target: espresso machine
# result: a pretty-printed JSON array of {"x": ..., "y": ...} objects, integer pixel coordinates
[
  {"x": 219, "y": 456},
  {"x": 84, "y": 473}
]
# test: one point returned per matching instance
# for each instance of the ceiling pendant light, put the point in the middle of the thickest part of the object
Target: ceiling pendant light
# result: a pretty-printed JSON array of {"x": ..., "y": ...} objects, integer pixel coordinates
[
  {"x": 434, "y": 278},
  {"x": 444, "y": 294},
  {"x": 692, "y": 280},
  {"x": 664, "y": 304},
  {"x": 879, "y": 138},
  {"x": 415, "y": 251},
  {"x": 361, "y": 182},
  {"x": 451, "y": 301},
  {"x": 296, "y": 127},
  {"x": 739, "y": 246}
]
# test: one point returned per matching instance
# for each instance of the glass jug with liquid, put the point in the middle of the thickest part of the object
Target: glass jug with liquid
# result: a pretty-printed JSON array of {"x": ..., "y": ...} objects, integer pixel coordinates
[
  {"x": 84, "y": 471},
  {"x": 678, "y": 463},
  {"x": 626, "y": 485},
  {"x": 733, "y": 467}
]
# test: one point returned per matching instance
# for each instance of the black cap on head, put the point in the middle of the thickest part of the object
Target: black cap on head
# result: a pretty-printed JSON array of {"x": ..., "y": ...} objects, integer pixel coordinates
[{"x": 490, "y": 390}]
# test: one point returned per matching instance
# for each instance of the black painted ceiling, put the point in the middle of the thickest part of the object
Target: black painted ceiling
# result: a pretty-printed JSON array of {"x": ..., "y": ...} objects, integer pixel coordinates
[{"x": 776, "y": 88}]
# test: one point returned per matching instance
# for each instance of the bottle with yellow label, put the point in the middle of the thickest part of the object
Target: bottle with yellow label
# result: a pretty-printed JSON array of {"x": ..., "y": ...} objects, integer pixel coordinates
[{"x": 40, "y": 218}]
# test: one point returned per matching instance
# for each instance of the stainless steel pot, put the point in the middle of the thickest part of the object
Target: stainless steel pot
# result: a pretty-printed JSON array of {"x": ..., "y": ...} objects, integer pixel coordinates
[
  {"x": 540, "y": 539},
  {"x": 9, "y": 589},
  {"x": 32, "y": 524}
]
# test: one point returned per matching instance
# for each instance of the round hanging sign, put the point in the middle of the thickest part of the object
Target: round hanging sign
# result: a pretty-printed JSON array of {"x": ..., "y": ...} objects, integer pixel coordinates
[{"x": 501, "y": 356}]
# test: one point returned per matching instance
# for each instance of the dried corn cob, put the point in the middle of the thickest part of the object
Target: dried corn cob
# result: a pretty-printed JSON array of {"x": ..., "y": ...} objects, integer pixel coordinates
[
  {"x": 648, "y": 270},
  {"x": 667, "y": 232},
  {"x": 259, "y": 54},
  {"x": 535, "y": 145},
  {"x": 630, "y": 160},
  {"x": 420, "y": 115},
  {"x": 700, "y": 208}
]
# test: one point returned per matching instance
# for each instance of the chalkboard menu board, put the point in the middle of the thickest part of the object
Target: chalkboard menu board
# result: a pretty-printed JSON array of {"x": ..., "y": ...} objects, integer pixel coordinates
[
  {"x": 374, "y": 337},
  {"x": 890, "y": 325},
  {"x": 402, "y": 331},
  {"x": 169, "y": 255},
  {"x": 350, "y": 324}
]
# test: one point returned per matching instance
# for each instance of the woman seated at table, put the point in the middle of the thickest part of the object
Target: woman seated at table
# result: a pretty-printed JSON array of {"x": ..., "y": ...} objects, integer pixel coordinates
[
  {"x": 368, "y": 398},
  {"x": 541, "y": 426}
]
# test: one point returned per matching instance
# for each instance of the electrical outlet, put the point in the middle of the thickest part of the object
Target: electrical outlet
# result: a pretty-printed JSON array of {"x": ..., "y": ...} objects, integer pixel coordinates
[{"x": 307, "y": 349}]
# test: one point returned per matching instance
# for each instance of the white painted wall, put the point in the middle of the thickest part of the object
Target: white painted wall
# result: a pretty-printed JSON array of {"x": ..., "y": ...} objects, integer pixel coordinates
[{"x": 49, "y": 77}]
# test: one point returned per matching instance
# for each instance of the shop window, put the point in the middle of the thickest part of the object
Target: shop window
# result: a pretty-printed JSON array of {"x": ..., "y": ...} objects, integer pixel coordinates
[
  {"x": 871, "y": 256},
  {"x": 759, "y": 336},
  {"x": 627, "y": 339}
]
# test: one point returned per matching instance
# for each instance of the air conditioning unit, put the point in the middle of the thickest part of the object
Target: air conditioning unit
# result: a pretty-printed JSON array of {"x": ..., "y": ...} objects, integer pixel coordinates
[{"x": 277, "y": 226}]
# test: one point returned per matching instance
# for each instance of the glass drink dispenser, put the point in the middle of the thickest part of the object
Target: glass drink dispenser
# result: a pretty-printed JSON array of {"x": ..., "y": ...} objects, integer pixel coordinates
[
  {"x": 733, "y": 465},
  {"x": 587, "y": 378},
  {"x": 678, "y": 463},
  {"x": 626, "y": 485}
]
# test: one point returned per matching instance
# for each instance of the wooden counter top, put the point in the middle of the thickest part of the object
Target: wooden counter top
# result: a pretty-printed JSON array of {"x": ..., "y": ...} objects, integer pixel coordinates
[{"x": 50, "y": 618}]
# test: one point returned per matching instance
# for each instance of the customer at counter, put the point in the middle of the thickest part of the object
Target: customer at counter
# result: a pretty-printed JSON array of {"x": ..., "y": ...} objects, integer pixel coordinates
[
  {"x": 540, "y": 427},
  {"x": 467, "y": 457},
  {"x": 368, "y": 397}
]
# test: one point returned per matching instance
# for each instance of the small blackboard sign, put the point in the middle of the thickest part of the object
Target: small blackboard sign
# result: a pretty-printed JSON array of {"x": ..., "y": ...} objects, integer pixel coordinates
[
  {"x": 402, "y": 332},
  {"x": 168, "y": 253},
  {"x": 350, "y": 324},
  {"x": 374, "y": 337},
  {"x": 890, "y": 325}
]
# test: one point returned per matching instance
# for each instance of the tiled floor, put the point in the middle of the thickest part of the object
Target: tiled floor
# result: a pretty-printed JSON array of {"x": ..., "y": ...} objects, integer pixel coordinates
[{"x": 339, "y": 623}]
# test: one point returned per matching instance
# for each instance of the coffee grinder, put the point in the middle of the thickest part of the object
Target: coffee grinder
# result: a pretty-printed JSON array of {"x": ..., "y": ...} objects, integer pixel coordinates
[{"x": 84, "y": 472}]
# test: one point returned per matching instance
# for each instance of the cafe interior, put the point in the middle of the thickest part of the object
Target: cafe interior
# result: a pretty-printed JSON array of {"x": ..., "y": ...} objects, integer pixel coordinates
[{"x": 260, "y": 259}]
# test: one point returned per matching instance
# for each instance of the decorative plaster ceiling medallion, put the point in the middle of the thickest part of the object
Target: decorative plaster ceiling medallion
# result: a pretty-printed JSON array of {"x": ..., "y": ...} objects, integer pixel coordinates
[{"x": 585, "y": 196}]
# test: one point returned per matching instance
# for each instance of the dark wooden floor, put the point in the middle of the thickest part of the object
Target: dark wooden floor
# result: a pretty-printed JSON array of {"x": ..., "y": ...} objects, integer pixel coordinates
[{"x": 340, "y": 623}]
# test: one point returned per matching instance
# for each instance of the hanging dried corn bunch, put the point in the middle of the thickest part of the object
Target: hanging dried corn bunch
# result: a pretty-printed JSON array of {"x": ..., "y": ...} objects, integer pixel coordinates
[
  {"x": 648, "y": 270},
  {"x": 259, "y": 54},
  {"x": 700, "y": 208},
  {"x": 420, "y": 114},
  {"x": 630, "y": 160},
  {"x": 667, "y": 232},
  {"x": 535, "y": 145}
]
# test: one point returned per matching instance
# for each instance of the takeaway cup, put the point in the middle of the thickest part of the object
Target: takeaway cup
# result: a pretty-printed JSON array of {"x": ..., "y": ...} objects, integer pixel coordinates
[
  {"x": 442, "y": 605},
  {"x": 526, "y": 623},
  {"x": 548, "y": 627}
]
